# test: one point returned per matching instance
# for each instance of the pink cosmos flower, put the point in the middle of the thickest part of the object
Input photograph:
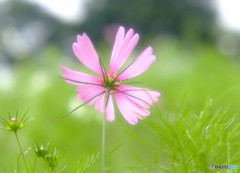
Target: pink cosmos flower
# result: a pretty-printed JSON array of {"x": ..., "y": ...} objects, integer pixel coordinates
[{"x": 133, "y": 102}]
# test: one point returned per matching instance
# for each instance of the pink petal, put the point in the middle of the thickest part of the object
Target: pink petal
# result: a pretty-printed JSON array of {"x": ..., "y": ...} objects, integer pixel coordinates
[
  {"x": 86, "y": 53},
  {"x": 110, "y": 108},
  {"x": 110, "y": 115},
  {"x": 79, "y": 76},
  {"x": 142, "y": 63},
  {"x": 129, "y": 109},
  {"x": 100, "y": 103},
  {"x": 122, "y": 49},
  {"x": 87, "y": 92},
  {"x": 141, "y": 96}
]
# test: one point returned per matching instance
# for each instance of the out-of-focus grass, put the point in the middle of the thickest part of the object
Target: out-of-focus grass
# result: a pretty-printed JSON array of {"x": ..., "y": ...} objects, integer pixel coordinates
[
  {"x": 185, "y": 141},
  {"x": 194, "y": 72}
]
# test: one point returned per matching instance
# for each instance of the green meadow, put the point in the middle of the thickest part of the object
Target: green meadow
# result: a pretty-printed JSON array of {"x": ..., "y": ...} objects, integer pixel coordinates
[{"x": 194, "y": 124}]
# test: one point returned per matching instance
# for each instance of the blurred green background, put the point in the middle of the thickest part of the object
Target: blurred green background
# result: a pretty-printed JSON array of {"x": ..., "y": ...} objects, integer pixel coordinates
[{"x": 196, "y": 57}]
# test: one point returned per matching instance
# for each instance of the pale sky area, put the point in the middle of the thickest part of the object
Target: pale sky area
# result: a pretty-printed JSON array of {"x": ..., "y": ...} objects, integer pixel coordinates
[
  {"x": 66, "y": 10},
  {"x": 74, "y": 11},
  {"x": 229, "y": 13}
]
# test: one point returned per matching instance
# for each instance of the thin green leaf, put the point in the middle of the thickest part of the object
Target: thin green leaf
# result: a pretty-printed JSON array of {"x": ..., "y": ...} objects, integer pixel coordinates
[{"x": 81, "y": 105}]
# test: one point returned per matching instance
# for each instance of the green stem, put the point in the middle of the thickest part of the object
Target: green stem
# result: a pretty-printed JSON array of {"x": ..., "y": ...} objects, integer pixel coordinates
[
  {"x": 47, "y": 165},
  {"x": 103, "y": 130},
  {"x": 34, "y": 165},
  {"x": 103, "y": 144},
  {"x": 24, "y": 160}
]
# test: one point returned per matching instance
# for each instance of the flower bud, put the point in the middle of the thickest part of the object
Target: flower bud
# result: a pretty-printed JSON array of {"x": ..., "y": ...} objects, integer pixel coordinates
[
  {"x": 14, "y": 124},
  {"x": 50, "y": 157},
  {"x": 41, "y": 151}
]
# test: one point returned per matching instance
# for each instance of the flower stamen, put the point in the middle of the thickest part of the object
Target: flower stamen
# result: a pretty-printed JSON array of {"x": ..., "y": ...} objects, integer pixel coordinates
[{"x": 111, "y": 82}]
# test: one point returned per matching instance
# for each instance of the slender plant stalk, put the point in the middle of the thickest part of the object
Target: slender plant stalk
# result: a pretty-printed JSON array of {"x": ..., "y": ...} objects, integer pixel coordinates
[
  {"x": 34, "y": 165},
  {"x": 103, "y": 130},
  {"x": 48, "y": 167},
  {"x": 24, "y": 160},
  {"x": 103, "y": 143}
]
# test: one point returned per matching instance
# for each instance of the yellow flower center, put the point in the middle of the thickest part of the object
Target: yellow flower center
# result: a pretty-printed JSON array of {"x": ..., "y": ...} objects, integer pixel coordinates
[{"x": 110, "y": 81}]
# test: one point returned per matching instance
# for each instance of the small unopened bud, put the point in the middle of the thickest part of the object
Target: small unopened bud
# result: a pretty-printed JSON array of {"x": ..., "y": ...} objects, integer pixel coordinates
[
  {"x": 52, "y": 160},
  {"x": 41, "y": 151},
  {"x": 50, "y": 157},
  {"x": 14, "y": 124}
]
